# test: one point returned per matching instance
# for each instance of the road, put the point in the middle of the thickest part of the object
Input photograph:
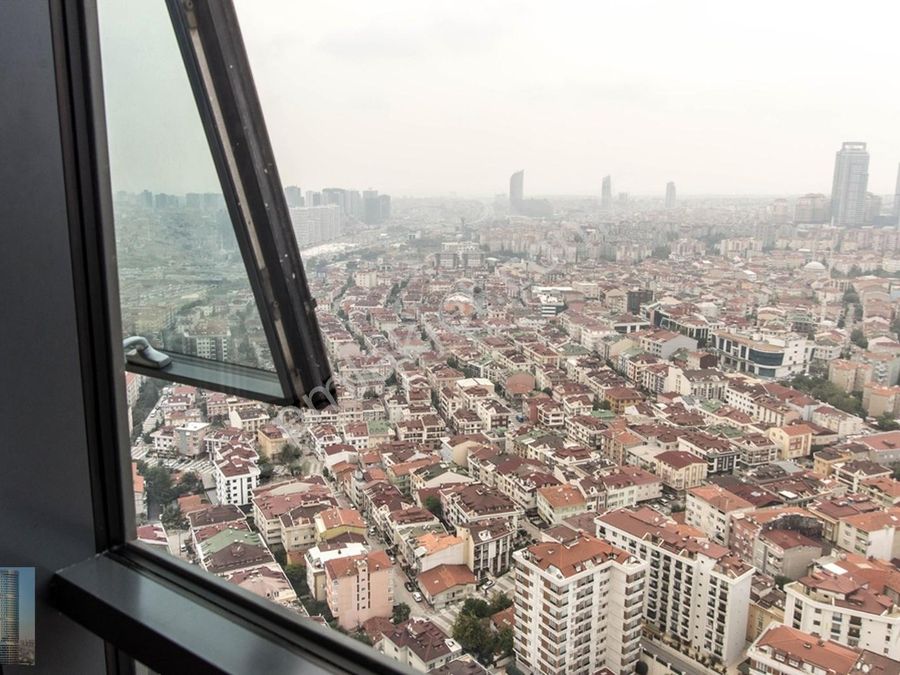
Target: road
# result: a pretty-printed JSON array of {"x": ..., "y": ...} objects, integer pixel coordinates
[{"x": 663, "y": 660}]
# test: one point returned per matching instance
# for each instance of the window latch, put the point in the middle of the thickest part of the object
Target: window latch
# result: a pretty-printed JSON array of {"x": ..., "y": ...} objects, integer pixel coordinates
[{"x": 139, "y": 352}]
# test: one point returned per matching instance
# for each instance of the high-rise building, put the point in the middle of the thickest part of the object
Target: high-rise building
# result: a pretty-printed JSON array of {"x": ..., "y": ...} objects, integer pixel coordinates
[
  {"x": 316, "y": 224},
  {"x": 872, "y": 209},
  {"x": 9, "y": 616},
  {"x": 606, "y": 193},
  {"x": 376, "y": 208},
  {"x": 385, "y": 204},
  {"x": 670, "y": 195},
  {"x": 293, "y": 195},
  {"x": 578, "y": 607},
  {"x": 337, "y": 196},
  {"x": 698, "y": 592},
  {"x": 516, "y": 191},
  {"x": 208, "y": 339},
  {"x": 848, "y": 191},
  {"x": 811, "y": 208}
]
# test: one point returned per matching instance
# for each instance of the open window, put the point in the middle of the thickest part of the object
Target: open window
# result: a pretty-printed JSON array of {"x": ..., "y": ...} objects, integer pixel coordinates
[{"x": 213, "y": 289}]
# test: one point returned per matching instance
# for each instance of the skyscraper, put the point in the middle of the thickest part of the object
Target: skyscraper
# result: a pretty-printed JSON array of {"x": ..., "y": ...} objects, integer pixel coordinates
[
  {"x": 9, "y": 616},
  {"x": 848, "y": 191},
  {"x": 606, "y": 193},
  {"x": 516, "y": 191},
  {"x": 293, "y": 195},
  {"x": 670, "y": 195}
]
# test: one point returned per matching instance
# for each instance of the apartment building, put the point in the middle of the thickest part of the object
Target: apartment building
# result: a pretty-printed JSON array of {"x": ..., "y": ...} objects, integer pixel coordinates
[
  {"x": 697, "y": 591},
  {"x": 487, "y": 546},
  {"x": 849, "y": 599},
  {"x": 359, "y": 587},
  {"x": 578, "y": 607},
  {"x": 555, "y": 503},
  {"x": 709, "y": 509},
  {"x": 782, "y": 650}
]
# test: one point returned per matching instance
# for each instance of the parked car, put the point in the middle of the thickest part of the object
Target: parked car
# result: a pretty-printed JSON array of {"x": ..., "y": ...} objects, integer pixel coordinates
[
  {"x": 417, "y": 596},
  {"x": 488, "y": 584},
  {"x": 409, "y": 586}
]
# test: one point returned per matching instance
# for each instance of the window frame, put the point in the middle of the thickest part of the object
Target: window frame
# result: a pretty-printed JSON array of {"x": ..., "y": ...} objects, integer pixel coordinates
[
  {"x": 218, "y": 70},
  {"x": 110, "y": 593}
]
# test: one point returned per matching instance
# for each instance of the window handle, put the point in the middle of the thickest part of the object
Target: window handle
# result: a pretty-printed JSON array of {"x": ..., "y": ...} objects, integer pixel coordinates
[{"x": 139, "y": 352}]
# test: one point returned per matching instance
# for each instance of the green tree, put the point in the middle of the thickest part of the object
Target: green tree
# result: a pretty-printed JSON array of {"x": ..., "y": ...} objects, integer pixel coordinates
[
  {"x": 296, "y": 574},
  {"x": 781, "y": 580},
  {"x": 401, "y": 613},
  {"x": 266, "y": 469},
  {"x": 158, "y": 484},
  {"x": 173, "y": 519},
  {"x": 189, "y": 484},
  {"x": 362, "y": 637},
  {"x": 289, "y": 453},
  {"x": 858, "y": 338},
  {"x": 503, "y": 643},
  {"x": 605, "y": 404},
  {"x": 499, "y": 602},
  {"x": 433, "y": 504},
  {"x": 476, "y": 607},
  {"x": 147, "y": 398},
  {"x": 887, "y": 422},
  {"x": 474, "y": 635}
]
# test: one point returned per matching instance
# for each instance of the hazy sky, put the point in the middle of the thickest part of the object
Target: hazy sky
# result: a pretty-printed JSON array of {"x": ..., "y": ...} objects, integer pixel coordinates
[{"x": 429, "y": 98}]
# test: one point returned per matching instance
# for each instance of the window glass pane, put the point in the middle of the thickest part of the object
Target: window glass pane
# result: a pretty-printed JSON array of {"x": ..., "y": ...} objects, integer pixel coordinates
[
  {"x": 182, "y": 280},
  {"x": 555, "y": 279}
]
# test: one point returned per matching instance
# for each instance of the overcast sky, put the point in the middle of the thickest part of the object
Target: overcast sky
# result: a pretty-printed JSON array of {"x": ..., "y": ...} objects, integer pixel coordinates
[{"x": 437, "y": 97}]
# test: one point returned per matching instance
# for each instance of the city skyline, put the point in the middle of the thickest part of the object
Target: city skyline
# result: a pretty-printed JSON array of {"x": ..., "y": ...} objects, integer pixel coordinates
[{"x": 439, "y": 106}]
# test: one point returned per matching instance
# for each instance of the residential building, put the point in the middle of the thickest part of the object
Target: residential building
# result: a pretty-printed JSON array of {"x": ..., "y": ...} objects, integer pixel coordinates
[
  {"x": 578, "y": 607},
  {"x": 697, "y": 591},
  {"x": 849, "y": 600},
  {"x": 358, "y": 588}
]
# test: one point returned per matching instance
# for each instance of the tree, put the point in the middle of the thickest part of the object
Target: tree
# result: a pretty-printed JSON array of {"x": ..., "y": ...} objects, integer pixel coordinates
[
  {"x": 887, "y": 422},
  {"x": 503, "y": 643},
  {"x": 190, "y": 484},
  {"x": 433, "y": 504},
  {"x": 362, "y": 637},
  {"x": 476, "y": 607},
  {"x": 401, "y": 613},
  {"x": 781, "y": 580},
  {"x": 158, "y": 484},
  {"x": 296, "y": 574},
  {"x": 499, "y": 602},
  {"x": 605, "y": 404},
  {"x": 266, "y": 470},
  {"x": 858, "y": 338},
  {"x": 173, "y": 519},
  {"x": 473, "y": 635},
  {"x": 289, "y": 453}
]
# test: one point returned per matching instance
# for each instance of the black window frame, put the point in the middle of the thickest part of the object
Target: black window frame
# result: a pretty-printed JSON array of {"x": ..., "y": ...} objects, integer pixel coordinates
[
  {"x": 215, "y": 59},
  {"x": 147, "y": 606}
]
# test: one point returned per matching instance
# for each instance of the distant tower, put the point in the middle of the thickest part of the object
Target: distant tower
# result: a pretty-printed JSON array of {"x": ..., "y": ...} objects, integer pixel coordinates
[
  {"x": 516, "y": 191},
  {"x": 9, "y": 616},
  {"x": 606, "y": 194},
  {"x": 670, "y": 195},
  {"x": 294, "y": 195},
  {"x": 848, "y": 191}
]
